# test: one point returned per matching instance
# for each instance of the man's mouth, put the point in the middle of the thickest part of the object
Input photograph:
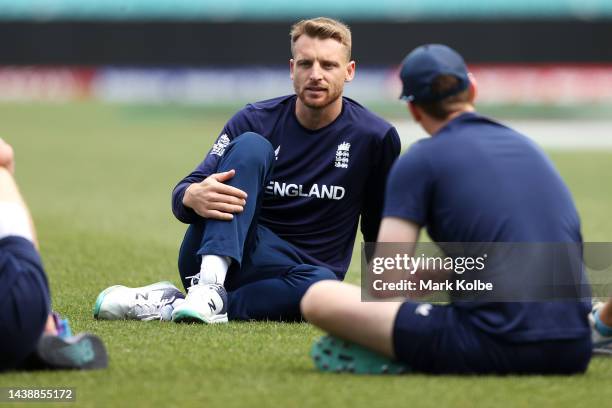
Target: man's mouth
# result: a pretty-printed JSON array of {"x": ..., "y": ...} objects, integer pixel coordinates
[{"x": 315, "y": 89}]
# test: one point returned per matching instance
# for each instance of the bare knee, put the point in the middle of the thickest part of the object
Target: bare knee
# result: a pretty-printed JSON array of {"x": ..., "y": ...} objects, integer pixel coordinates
[{"x": 314, "y": 301}]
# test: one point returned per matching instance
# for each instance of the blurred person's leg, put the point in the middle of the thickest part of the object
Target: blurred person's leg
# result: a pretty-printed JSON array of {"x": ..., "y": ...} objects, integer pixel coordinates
[
  {"x": 15, "y": 219},
  {"x": 361, "y": 334},
  {"x": 395, "y": 337},
  {"x": 28, "y": 331},
  {"x": 337, "y": 308},
  {"x": 24, "y": 293}
]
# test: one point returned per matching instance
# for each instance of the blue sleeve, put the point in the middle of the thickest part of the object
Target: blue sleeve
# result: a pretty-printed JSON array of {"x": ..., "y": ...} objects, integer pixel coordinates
[
  {"x": 410, "y": 187},
  {"x": 241, "y": 122},
  {"x": 371, "y": 212}
]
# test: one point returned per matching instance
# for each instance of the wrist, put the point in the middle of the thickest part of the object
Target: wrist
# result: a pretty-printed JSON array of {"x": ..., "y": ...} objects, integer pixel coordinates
[{"x": 187, "y": 196}]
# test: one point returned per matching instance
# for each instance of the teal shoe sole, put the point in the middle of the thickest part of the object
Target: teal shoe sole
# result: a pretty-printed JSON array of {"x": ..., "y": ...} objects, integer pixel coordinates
[
  {"x": 191, "y": 316},
  {"x": 331, "y": 354},
  {"x": 187, "y": 316},
  {"x": 85, "y": 352}
]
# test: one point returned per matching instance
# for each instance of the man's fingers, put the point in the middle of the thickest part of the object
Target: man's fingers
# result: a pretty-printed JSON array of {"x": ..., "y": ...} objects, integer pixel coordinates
[
  {"x": 218, "y": 215},
  {"x": 229, "y": 190},
  {"x": 227, "y": 208},
  {"x": 50, "y": 327},
  {"x": 226, "y": 175},
  {"x": 224, "y": 188},
  {"x": 214, "y": 214},
  {"x": 227, "y": 199}
]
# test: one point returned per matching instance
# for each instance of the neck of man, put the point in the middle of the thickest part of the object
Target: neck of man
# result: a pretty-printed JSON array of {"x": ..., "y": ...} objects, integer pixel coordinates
[
  {"x": 317, "y": 118},
  {"x": 432, "y": 125}
]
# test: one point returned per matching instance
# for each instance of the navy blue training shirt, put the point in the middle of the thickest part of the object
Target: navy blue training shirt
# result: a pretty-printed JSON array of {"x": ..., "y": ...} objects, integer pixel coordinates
[
  {"x": 476, "y": 180},
  {"x": 322, "y": 180}
]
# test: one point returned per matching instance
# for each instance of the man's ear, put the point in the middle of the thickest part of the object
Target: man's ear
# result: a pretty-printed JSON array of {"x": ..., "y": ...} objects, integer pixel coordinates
[
  {"x": 291, "y": 68},
  {"x": 473, "y": 87},
  {"x": 415, "y": 112},
  {"x": 350, "y": 71}
]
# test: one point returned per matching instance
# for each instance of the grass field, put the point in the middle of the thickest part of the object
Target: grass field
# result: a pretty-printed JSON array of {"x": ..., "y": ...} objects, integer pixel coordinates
[{"x": 98, "y": 180}]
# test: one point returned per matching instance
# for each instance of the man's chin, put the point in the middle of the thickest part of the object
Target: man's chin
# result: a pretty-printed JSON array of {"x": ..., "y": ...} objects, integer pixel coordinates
[{"x": 315, "y": 103}]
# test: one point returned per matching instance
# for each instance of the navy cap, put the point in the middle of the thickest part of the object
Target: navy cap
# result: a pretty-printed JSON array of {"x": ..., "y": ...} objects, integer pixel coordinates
[{"x": 426, "y": 63}]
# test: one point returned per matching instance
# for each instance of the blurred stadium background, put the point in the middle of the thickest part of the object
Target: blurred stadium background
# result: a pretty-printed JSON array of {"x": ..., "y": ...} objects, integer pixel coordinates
[
  {"x": 110, "y": 102},
  {"x": 532, "y": 58}
]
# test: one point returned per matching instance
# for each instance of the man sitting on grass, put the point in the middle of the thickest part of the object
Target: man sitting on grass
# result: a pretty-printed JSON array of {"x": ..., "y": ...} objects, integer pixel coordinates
[
  {"x": 276, "y": 203},
  {"x": 473, "y": 181}
]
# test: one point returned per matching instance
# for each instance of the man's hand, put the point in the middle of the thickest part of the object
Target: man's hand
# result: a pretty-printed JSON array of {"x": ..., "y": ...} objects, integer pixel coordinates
[
  {"x": 7, "y": 156},
  {"x": 50, "y": 327},
  {"x": 213, "y": 199}
]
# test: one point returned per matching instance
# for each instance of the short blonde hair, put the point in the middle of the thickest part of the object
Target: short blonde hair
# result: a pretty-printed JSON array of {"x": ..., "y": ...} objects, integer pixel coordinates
[{"x": 322, "y": 28}]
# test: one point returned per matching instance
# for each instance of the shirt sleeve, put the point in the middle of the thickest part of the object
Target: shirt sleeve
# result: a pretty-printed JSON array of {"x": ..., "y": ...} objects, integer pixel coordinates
[
  {"x": 371, "y": 212},
  {"x": 240, "y": 123},
  {"x": 410, "y": 187}
]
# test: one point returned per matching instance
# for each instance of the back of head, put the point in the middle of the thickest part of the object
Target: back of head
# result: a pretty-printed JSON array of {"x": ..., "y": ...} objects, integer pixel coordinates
[
  {"x": 441, "y": 109},
  {"x": 322, "y": 28},
  {"x": 435, "y": 78}
]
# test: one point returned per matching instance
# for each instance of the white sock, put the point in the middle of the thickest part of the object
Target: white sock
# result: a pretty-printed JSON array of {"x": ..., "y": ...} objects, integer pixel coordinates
[{"x": 214, "y": 269}]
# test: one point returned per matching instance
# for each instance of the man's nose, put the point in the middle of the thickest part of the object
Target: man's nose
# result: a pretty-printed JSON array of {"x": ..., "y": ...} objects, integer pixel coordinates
[{"x": 316, "y": 73}]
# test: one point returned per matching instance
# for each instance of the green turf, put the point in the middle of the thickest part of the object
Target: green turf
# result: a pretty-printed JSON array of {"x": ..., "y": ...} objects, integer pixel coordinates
[{"x": 98, "y": 179}]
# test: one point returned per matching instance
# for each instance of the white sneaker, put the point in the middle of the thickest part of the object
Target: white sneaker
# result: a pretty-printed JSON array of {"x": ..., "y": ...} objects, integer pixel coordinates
[
  {"x": 601, "y": 344},
  {"x": 152, "y": 302},
  {"x": 205, "y": 303}
]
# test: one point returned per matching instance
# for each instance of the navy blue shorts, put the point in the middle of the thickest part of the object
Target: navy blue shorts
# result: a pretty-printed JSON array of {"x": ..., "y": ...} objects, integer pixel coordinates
[
  {"x": 24, "y": 301},
  {"x": 440, "y": 340}
]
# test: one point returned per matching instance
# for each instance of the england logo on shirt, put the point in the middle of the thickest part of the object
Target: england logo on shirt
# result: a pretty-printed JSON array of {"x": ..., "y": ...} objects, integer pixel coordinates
[
  {"x": 423, "y": 309},
  {"x": 219, "y": 147},
  {"x": 342, "y": 155}
]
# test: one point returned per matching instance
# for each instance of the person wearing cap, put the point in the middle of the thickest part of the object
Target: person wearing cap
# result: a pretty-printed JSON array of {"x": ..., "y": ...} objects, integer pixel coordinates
[{"x": 473, "y": 181}]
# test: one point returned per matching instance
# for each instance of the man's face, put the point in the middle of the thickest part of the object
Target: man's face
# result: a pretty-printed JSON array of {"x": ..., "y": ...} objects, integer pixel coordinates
[{"x": 319, "y": 69}]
